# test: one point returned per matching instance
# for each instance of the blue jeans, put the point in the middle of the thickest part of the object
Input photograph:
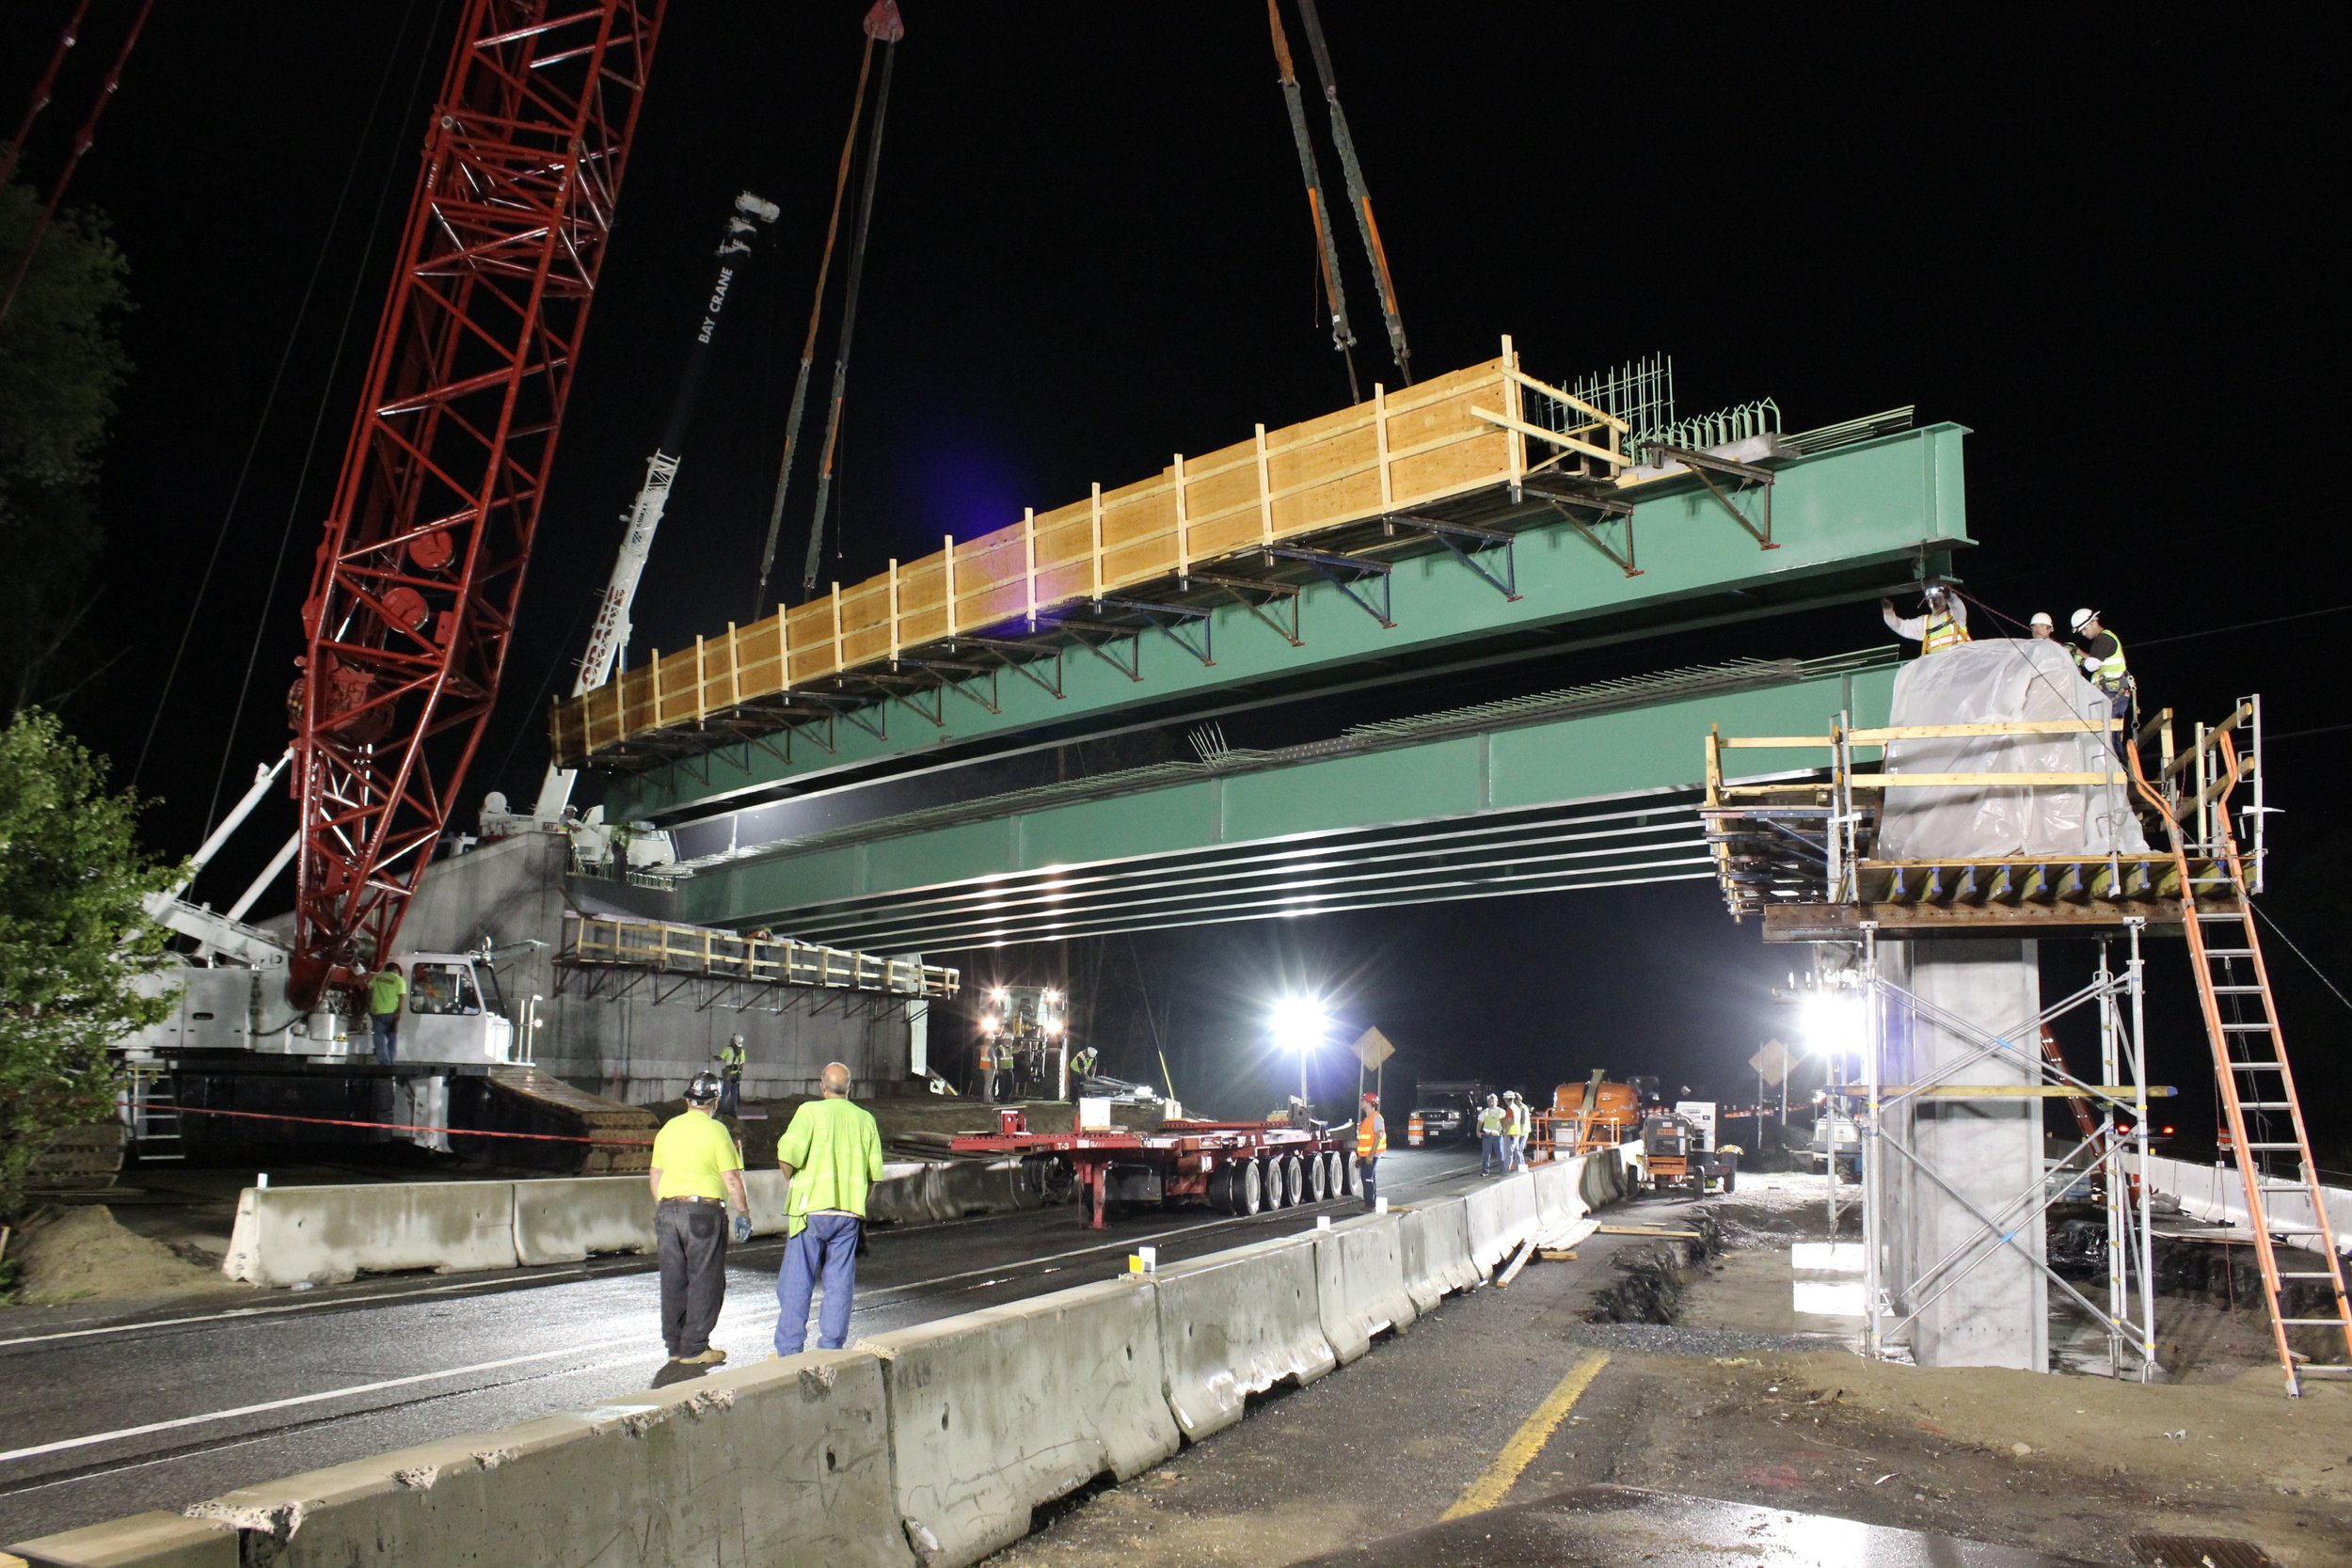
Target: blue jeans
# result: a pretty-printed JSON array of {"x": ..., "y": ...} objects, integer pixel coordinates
[
  {"x": 1514, "y": 1152},
  {"x": 387, "y": 1029},
  {"x": 1491, "y": 1153},
  {"x": 825, "y": 1249}
]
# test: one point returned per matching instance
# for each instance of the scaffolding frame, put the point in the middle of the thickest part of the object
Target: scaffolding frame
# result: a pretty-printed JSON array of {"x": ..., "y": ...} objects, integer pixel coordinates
[{"x": 2107, "y": 1160}]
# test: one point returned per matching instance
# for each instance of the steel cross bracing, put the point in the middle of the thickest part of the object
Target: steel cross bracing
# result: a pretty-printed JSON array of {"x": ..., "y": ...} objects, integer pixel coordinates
[
  {"x": 411, "y": 607},
  {"x": 2108, "y": 1158}
]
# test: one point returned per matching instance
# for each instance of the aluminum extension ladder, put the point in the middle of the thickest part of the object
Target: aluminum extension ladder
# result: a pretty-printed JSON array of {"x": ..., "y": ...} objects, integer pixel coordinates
[
  {"x": 2250, "y": 1063},
  {"x": 154, "y": 1117}
]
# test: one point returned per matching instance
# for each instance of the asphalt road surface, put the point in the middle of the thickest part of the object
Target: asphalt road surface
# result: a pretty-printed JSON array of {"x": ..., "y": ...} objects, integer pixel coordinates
[{"x": 105, "y": 1417}]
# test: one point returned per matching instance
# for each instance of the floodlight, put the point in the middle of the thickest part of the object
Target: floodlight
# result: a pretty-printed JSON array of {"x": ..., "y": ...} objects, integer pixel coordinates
[{"x": 988, "y": 1024}]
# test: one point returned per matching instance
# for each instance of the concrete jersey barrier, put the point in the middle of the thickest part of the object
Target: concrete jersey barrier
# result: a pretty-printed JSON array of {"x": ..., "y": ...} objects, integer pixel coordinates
[
  {"x": 1360, "y": 1283},
  {"x": 1558, "y": 1201},
  {"x": 325, "y": 1235},
  {"x": 783, "y": 1462},
  {"x": 1501, "y": 1215},
  {"x": 566, "y": 1219},
  {"x": 996, "y": 1412},
  {"x": 1236, "y": 1324},
  {"x": 1434, "y": 1245}
]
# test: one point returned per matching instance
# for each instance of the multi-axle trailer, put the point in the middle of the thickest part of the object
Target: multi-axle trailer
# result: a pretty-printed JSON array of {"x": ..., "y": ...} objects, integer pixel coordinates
[{"x": 1235, "y": 1167}]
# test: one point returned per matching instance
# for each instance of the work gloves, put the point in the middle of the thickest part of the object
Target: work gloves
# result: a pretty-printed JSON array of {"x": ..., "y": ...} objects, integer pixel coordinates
[{"x": 742, "y": 1228}]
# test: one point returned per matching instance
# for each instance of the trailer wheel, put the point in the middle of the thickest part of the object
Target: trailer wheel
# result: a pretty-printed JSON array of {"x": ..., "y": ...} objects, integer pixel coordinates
[
  {"x": 1220, "y": 1192},
  {"x": 1295, "y": 1179},
  {"x": 1318, "y": 1175},
  {"x": 1342, "y": 1174},
  {"x": 1280, "y": 1192},
  {"x": 1248, "y": 1187}
]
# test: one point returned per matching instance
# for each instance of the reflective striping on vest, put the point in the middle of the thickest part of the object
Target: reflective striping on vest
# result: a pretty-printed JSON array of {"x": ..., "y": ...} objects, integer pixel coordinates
[
  {"x": 1371, "y": 1137},
  {"x": 1942, "y": 632},
  {"x": 2110, "y": 670}
]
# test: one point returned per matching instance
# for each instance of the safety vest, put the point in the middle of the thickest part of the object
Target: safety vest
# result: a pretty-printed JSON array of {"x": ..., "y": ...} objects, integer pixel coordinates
[
  {"x": 1520, "y": 1125},
  {"x": 1490, "y": 1123},
  {"x": 987, "y": 1059},
  {"x": 1942, "y": 632},
  {"x": 731, "y": 1059},
  {"x": 2109, "y": 672},
  {"x": 1371, "y": 1136}
]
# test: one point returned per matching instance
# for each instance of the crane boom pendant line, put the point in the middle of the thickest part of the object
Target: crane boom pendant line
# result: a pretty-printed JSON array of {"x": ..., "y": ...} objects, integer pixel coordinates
[
  {"x": 411, "y": 606},
  {"x": 815, "y": 316},
  {"x": 1357, "y": 197},
  {"x": 608, "y": 639},
  {"x": 893, "y": 31},
  {"x": 1318, "y": 210}
]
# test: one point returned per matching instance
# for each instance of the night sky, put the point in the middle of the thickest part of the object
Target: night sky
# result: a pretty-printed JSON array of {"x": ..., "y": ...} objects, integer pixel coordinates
[{"x": 2100, "y": 246}]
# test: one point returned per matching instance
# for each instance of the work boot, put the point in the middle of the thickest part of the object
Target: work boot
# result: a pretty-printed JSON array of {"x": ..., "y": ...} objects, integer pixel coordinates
[{"x": 710, "y": 1356}]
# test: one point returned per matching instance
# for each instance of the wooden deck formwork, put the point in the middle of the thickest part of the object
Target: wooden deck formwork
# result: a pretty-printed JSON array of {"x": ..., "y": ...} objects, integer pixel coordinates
[{"x": 1429, "y": 444}]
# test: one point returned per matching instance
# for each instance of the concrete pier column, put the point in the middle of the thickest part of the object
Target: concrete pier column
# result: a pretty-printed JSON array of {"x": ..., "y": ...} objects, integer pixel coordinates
[{"x": 1989, "y": 1304}]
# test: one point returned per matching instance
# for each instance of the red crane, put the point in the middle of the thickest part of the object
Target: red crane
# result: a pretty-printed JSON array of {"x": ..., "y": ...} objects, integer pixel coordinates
[{"x": 412, "y": 601}]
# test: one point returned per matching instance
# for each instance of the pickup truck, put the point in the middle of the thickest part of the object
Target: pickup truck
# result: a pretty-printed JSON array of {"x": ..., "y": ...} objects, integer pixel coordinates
[{"x": 1444, "y": 1112}]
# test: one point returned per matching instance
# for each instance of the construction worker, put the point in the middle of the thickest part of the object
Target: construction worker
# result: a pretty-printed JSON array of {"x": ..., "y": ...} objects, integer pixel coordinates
[
  {"x": 388, "y": 989},
  {"x": 1943, "y": 622},
  {"x": 988, "y": 1069},
  {"x": 1371, "y": 1141},
  {"x": 2045, "y": 629},
  {"x": 1082, "y": 1064},
  {"x": 831, "y": 1156},
  {"x": 696, "y": 1169},
  {"x": 2100, "y": 656},
  {"x": 731, "y": 1058},
  {"x": 1491, "y": 1120},
  {"x": 1517, "y": 1124}
]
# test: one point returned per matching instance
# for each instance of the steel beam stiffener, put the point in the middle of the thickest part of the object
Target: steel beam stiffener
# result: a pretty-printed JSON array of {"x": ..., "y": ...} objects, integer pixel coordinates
[{"x": 411, "y": 605}]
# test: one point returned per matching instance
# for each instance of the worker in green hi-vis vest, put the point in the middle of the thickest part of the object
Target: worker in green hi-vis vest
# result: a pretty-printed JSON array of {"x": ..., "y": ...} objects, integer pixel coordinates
[
  {"x": 731, "y": 1059},
  {"x": 388, "y": 989},
  {"x": 831, "y": 1156}
]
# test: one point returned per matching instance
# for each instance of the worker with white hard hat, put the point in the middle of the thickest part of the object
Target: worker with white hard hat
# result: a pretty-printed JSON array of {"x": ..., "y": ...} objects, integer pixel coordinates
[
  {"x": 1490, "y": 1123},
  {"x": 2100, "y": 653},
  {"x": 1943, "y": 622},
  {"x": 2045, "y": 629}
]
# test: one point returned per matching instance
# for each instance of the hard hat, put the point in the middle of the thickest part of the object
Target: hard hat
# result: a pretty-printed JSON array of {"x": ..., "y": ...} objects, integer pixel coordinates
[
  {"x": 1372, "y": 1096},
  {"x": 2083, "y": 618},
  {"x": 704, "y": 1090},
  {"x": 2042, "y": 618},
  {"x": 735, "y": 1039}
]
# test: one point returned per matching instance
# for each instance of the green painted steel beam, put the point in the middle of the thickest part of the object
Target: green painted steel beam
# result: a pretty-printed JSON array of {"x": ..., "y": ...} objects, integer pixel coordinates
[
  {"x": 1846, "y": 524},
  {"x": 1595, "y": 799}
]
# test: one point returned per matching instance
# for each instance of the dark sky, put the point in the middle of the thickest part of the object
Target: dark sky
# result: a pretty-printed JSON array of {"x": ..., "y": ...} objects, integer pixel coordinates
[{"x": 2100, "y": 246}]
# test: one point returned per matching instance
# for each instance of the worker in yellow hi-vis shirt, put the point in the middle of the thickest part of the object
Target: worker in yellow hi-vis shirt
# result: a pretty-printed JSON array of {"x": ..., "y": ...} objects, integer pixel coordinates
[
  {"x": 831, "y": 1155},
  {"x": 696, "y": 1168}
]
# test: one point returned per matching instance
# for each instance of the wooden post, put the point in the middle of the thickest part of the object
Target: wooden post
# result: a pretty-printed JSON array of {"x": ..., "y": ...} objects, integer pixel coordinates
[
  {"x": 1184, "y": 561},
  {"x": 1515, "y": 442},
  {"x": 1380, "y": 441},
  {"x": 735, "y": 669},
  {"x": 1028, "y": 558},
  {"x": 784, "y": 650},
  {"x": 1265, "y": 494},
  {"x": 700, "y": 679},
  {"x": 1096, "y": 514},
  {"x": 947, "y": 556},
  {"x": 837, "y": 629},
  {"x": 893, "y": 611}
]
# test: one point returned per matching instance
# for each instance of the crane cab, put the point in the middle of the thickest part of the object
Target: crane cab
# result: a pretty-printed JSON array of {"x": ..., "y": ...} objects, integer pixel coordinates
[{"x": 453, "y": 1015}]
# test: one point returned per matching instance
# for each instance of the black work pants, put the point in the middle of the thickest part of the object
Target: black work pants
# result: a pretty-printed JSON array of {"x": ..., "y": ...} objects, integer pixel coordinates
[
  {"x": 691, "y": 1239},
  {"x": 1366, "y": 1180}
]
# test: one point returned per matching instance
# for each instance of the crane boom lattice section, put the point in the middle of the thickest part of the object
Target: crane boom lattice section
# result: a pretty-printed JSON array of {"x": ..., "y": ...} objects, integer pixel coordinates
[{"x": 412, "y": 602}]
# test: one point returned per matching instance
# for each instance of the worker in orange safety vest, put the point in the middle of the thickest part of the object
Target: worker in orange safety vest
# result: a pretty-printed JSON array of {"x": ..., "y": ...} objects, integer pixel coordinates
[{"x": 1371, "y": 1141}]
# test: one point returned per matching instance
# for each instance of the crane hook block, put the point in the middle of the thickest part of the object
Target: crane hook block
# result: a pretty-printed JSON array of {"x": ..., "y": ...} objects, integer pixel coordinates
[{"x": 884, "y": 21}]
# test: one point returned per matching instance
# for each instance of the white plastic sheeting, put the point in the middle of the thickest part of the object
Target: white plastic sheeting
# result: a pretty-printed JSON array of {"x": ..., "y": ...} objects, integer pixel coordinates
[{"x": 1985, "y": 681}]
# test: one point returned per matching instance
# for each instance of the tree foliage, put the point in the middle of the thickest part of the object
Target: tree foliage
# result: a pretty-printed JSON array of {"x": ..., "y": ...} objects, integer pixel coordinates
[
  {"x": 74, "y": 938},
  {"x": 62, "y": 367}
]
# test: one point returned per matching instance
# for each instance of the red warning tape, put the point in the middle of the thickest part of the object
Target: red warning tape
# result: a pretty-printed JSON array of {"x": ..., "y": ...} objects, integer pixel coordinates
[{"x": 406, "y": 1126}]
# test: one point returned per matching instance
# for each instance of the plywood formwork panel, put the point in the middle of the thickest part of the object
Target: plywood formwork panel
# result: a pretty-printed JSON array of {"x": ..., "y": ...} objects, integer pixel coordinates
[{"x": 1412, "y": 447}]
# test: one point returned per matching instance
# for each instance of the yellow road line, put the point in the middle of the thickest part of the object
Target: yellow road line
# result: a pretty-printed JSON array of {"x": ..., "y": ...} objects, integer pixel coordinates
[{"x": 1526, "y": 1443}]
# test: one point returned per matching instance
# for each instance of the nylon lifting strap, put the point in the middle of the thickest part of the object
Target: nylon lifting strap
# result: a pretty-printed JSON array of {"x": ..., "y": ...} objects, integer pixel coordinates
[
  {"x": 885, "y": 15},
  {"x": 1318, "y": 210},
  {"x": 1357, "y": 197}
]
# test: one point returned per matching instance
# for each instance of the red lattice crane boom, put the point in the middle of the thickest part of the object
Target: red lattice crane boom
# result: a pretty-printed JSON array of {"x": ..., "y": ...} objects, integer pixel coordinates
[{"x": 412, "y": 600}]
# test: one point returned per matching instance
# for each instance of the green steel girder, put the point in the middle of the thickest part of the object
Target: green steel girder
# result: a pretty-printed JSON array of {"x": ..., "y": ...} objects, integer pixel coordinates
[
  {"x": 1847, "y": 524},
  {"x": 1589, "y": 800}
]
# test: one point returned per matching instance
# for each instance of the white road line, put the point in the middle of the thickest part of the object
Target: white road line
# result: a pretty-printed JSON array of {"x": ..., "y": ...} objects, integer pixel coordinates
[
  {"x": 233, "y": 1314},
  {"x": 184, "y": 1421},
  {"x": 95, "y": 1437}
]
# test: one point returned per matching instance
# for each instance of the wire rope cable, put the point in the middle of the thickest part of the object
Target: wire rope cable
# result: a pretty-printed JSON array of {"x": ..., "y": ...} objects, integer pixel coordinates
[{"x": 261, "y": 427}]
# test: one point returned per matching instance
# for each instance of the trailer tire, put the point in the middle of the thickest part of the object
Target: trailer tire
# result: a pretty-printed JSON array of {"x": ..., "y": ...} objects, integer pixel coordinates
[
  {"x": 1295, "y": 1177},
  {"x": 1318, "y": 1177},
  {"x": 1281, "y": 1191},
  {"x": 1249, "y": 1188},
  {"x": 1344, "y": 1173}
]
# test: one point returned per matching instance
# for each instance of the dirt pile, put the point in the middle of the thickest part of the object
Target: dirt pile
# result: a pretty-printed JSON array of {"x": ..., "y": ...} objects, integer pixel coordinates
[{"x": 82, "y": 1254}]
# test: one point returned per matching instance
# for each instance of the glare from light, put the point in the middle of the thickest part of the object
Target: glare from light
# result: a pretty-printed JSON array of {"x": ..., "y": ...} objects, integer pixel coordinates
[
  {"x": 1053, "y": 1026},
  {"x": 1051, "y": 997},
  {"x": 988, "y": 1024},
  {"x": 997, "y": 996},
  {"x": 1833, "y": 1024},
  {"x": 1299, "y": 1024}
]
